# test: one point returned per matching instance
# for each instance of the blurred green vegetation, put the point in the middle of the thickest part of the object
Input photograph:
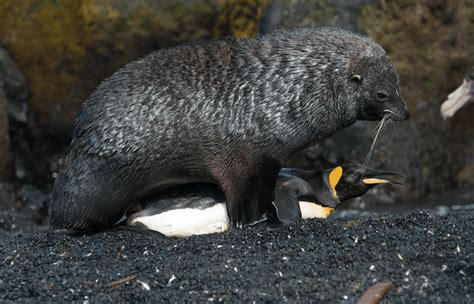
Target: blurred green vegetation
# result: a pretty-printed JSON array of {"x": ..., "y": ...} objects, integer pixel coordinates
[
  {"x": 430, "y": 42},
  {"x": 66, "y": 47},
  {"x": 239, "y": 18},
  {"x": 303, "y": 13}
]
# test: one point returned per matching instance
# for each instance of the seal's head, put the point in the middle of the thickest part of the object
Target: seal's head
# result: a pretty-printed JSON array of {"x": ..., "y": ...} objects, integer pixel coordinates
[
  {"x": 368, "y": 83},
  {"x": 377, "y": 87},
  {"x": 375, "y": 83}
]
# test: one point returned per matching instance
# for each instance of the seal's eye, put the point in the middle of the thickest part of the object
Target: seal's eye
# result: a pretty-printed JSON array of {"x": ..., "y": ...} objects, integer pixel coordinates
[
  {"x": 356, "y": 78},
  {"x": 382, "y": 95}
]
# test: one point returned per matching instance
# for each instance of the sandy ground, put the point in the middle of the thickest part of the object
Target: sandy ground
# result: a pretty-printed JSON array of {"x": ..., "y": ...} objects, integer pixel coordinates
[{"x": 428, "y": 257}]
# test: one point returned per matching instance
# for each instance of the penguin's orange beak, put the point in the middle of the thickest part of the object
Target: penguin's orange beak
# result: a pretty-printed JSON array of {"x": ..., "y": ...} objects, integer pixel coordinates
[
  {"x": 375, "y": 181},
  {"x": 379, "y": 181}
]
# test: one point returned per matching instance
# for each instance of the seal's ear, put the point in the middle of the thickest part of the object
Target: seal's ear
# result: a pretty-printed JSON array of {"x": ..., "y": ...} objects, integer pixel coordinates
[{"x": 356, "y": 78}]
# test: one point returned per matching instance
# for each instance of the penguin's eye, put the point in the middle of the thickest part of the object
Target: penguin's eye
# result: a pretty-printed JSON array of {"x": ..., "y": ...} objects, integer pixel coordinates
[
  {"x": 356, "y": 78},
  {"x": 353, "y": 178}
]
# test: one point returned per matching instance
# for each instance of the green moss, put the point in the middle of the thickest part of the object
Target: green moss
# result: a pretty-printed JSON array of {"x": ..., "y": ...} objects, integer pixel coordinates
[
  {"x": 47, "y": 41},
  {"x": 65, "y": 47},
  {"x": 308, "y": 13},
  {"x": 239, "y": 18}
]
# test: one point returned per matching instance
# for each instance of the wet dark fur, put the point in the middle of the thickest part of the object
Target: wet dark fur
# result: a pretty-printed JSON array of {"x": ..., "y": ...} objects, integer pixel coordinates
[{"x": 227, "y": 112}]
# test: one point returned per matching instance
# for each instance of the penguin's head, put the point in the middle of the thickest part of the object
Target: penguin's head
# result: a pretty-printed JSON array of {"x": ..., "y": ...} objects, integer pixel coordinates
[
  {"x": 355, "y": 181},
  {"x": 342, "y": 183}
]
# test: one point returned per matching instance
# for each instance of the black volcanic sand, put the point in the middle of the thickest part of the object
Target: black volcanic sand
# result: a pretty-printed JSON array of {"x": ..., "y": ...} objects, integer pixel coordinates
[{"x": 428, "y": 257}]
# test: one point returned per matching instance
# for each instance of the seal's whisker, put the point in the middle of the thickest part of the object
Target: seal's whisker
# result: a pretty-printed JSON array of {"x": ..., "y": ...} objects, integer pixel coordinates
[
  {"x": 368, "y": 136},
  {"x": 369, "y": 155},
  {"x": 392, "y": 126},
  {"x": 372, "y": 133}
]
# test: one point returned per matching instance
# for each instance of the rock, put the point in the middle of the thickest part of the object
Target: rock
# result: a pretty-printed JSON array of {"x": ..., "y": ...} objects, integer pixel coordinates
[
  {"x": 34, "y": 203},
  {"x": 13, "y": 107},
  {"x": 14, "y": 87},
  {"x": 7, "y": 196},
  {"x": 298, "y": 13},
  {"x": 347, "y": 13},
  {"x": 287, "y": 14},
  {"x": 24, "y": 207},
  {"x": 4, "y": 138}
]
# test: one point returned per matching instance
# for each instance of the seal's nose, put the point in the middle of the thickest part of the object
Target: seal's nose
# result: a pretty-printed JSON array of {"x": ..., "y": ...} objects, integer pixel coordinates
[
  {"x": 398, "y": 108},
  {"x": 406, "y": 115},
  {"x": 401, "y": 113}
]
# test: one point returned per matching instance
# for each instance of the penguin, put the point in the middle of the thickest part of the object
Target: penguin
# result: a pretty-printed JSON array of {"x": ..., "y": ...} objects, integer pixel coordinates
[
  {"x": 190, "y": 209},
  {"x": 195, "y": 209},
  {"x": 295, "y": 193}
]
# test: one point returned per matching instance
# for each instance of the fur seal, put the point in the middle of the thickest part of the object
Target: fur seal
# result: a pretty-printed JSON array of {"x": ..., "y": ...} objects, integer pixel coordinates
[
  {"x": 227, "y": 112},
  {"x": 196, "y": 209}
]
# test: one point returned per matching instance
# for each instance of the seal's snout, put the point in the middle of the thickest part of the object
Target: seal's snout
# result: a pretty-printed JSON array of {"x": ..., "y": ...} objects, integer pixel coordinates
[
  {"x": 396, "y": 109},
  {"x": 404, "y": 114},
  {"x": 397, "y": 115}
]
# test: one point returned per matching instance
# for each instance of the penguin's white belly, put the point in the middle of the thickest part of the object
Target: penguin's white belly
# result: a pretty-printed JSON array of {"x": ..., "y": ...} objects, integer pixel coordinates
[
  {"x": 186, "y": 222},
  {"x": 312, "y": 210},
  {"x": 179, "y": 223}
]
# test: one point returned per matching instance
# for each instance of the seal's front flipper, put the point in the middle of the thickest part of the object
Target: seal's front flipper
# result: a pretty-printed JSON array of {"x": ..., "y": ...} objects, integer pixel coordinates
[
  {"x": 287, "y": 206},
  {"x": 249, "y": 198}
]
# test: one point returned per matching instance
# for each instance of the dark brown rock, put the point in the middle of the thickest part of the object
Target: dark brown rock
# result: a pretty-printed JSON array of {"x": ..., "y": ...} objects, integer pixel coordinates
[
  {"x": 4, "y": 138},
  {"x": 15, "y": 88}
]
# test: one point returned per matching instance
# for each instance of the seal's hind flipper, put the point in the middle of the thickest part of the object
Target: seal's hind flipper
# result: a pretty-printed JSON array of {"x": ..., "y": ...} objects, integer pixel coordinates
[{"x": 287, "y": 207}]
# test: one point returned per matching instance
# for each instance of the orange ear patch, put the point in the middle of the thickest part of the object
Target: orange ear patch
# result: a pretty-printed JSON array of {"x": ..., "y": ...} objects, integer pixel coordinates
[{"x": 334, "y": 177}]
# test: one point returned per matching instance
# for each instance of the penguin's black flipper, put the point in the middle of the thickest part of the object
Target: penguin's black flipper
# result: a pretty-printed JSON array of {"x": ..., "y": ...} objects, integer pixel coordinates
[{"x": 287, "y": 205}]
